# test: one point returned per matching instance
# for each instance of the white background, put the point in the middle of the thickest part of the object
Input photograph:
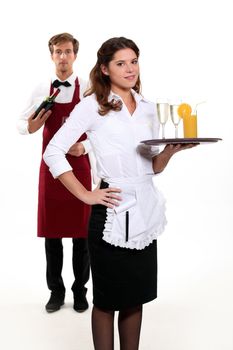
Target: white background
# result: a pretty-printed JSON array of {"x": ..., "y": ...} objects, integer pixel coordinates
[{"x": 186, "y": 51}]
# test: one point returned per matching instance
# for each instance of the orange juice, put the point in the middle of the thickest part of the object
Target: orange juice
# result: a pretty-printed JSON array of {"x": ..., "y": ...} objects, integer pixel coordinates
[{"x": 190, "y": 126}]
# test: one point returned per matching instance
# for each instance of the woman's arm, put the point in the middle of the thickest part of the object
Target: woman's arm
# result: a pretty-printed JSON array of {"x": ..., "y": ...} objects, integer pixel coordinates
[
  {"x": 161, "y": 160},
  {"x": 78, "y": 123}
]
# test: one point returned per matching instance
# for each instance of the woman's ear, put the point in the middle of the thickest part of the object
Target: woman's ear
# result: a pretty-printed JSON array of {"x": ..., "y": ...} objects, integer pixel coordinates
[{"x": 104, "y": 69}]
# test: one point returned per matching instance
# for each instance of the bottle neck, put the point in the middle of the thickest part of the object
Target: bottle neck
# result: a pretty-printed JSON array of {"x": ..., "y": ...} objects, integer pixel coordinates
[{"x": 54, "y": 95}]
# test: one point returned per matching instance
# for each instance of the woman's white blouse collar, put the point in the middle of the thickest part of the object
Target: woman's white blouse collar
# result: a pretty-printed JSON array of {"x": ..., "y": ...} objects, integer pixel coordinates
[{"x": 137, "y": 96}]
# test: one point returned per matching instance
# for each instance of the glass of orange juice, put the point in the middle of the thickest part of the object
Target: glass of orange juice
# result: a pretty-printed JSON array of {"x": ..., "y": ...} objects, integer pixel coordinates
[
  {"x": 189, "y": 115},
  {"x": 190, "y": 125}
]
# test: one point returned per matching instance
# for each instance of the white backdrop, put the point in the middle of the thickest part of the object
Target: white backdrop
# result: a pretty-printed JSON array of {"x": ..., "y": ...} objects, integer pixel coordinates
[{"x": 186, "y": 51}]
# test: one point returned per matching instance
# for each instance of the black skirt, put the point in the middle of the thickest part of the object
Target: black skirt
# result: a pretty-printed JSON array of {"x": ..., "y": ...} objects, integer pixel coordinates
[{"x": 121, "y": 277}]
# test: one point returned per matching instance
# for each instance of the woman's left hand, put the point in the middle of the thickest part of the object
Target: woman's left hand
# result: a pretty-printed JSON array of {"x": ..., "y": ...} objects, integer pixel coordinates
[{"x": 171, "y": 149}]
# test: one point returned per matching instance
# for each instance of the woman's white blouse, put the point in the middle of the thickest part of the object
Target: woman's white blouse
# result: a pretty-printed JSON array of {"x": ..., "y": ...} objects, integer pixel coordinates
[{"x": 121, "y": 160}]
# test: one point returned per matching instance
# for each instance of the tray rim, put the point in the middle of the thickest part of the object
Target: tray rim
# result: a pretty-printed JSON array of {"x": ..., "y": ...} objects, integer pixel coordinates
[{"x": 181, "y": 140}]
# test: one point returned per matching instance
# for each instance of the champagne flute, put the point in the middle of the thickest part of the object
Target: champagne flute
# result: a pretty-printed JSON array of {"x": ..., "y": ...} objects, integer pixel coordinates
[
  {"x": 175, "y": 117},
  {"x": 163, "y": 113}
]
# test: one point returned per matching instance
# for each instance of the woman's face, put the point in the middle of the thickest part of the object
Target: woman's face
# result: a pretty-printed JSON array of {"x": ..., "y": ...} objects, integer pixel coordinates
[{"x": 123, "y": 70}]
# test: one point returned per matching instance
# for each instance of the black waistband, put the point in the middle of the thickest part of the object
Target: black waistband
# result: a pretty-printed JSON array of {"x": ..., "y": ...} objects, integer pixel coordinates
[{"x": 103, "y": 184}]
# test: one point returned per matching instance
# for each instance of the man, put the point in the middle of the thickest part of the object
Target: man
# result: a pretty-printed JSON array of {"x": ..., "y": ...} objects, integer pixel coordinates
[{"x": 60, "y": 214}]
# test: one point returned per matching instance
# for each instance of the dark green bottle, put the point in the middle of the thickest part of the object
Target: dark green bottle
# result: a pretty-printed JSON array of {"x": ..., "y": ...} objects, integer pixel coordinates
[{"x": 47, "y": 103}]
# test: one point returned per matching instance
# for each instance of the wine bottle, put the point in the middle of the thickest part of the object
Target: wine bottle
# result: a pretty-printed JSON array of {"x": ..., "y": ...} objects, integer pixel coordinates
[{"x": 47, "y": 103}]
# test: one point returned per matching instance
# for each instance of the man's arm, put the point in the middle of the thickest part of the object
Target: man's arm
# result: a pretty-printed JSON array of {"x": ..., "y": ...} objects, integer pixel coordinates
[{"x": 24, "y": 124}]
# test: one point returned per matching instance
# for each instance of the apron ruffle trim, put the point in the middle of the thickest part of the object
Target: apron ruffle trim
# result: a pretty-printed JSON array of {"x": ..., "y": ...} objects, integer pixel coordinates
[{"x": 148, "y": 222}]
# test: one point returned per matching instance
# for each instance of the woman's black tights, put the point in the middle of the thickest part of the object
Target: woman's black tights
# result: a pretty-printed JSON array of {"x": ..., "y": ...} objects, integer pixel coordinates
[{"x": 129, "y": 326}]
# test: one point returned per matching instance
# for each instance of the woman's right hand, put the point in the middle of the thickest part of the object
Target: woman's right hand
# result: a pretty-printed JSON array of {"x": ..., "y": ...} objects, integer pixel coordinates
[
  {"x": 106, "y": 196},
  {"x": 38, "y": 122}
]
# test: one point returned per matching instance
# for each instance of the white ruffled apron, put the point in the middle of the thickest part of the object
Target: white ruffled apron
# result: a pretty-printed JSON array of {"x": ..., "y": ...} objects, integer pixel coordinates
[{"x": 140, "y": 217}]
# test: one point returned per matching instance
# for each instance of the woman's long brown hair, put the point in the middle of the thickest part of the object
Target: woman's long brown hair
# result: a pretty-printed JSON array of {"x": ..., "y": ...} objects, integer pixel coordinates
[{"x": 100, "y": 83}]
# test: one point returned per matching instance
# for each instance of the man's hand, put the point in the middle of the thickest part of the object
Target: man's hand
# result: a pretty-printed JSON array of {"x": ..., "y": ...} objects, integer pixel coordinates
[
  {"x": 77, "y": 150},
  {"x": 38, "y": 122}
]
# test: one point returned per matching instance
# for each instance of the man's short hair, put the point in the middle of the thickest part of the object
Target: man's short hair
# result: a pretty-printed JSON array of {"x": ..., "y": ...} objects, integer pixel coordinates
[{"x": 62, "y": 38}]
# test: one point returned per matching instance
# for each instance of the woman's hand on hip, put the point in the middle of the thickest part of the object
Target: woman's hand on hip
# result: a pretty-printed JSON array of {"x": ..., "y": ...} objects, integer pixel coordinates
[{"x": 107, "y": 196}]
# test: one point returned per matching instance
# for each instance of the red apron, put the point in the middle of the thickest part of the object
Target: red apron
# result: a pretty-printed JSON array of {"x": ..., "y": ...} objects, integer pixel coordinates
[{"x": 60, "y": 213}]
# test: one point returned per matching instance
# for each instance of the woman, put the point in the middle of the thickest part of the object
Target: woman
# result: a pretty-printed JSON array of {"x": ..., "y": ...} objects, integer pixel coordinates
[{"x": 128, "y": 211}]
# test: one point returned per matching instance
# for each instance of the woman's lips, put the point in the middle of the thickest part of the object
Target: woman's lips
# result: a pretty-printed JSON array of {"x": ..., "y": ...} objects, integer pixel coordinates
[{"x": 130, "y": 77}]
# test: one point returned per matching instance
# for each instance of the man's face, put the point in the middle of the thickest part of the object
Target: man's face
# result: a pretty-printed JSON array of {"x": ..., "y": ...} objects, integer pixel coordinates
[{"x": 63, "y": 56}]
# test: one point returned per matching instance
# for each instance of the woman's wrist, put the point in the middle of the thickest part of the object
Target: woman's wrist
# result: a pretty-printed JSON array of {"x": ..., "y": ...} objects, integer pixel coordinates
[{"x": 160, "y": 161}]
